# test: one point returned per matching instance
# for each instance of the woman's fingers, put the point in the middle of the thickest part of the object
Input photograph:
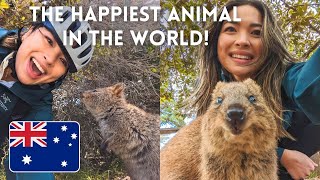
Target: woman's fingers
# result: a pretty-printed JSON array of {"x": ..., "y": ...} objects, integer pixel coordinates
[
  {"x": 298, "y": 165},
  {"x": 315, "y": 164}
]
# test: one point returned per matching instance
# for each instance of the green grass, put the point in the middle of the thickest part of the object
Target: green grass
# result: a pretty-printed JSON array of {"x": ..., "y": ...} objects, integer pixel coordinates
[
  {"x": 92, "y": 175},
  {"x": 313, "y": 174},
  {"x": 82, "y": 175},
  {"x": 2, "y": 175}
]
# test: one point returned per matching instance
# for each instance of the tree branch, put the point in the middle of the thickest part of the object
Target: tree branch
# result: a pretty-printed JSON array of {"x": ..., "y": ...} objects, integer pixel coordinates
[
  {"x": 168, "y": 130},
  {"x": 287, "y": 5},
  {"x": 315, "y": 45},
  {"x": 313, "y": 28}
]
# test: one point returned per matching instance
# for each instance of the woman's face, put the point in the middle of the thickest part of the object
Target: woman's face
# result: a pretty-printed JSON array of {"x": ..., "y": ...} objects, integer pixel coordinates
[
  {"x": 240, "y": 45},
  {"x": 39, "y": 59}
]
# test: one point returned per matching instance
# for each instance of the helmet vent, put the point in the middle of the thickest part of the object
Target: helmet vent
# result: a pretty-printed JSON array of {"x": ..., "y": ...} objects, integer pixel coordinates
[
  {"x": 84, "y": 38},
  {"x": 85, "y": 61},
  {"x": 74, "y": 26},
  {"x": 75, "y": 45},
  {"x": 85, "y": 52},
  {"x": 65, "y": 16}
]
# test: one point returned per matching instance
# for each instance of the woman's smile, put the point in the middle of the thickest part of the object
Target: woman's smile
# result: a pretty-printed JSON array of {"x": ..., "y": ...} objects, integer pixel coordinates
[
  {"x": 242, "y": 58},
  {"x": 34, "y": 69}
]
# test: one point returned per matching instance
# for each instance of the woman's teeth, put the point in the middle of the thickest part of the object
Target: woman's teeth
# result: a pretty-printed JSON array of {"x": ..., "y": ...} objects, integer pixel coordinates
[
  {"x": 241, "y": 56},
  {"x": 38, "y": 66}
]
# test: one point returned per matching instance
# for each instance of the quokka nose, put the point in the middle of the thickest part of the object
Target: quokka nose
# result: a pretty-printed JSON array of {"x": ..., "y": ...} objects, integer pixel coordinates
[{"x": 235, "y": 115}]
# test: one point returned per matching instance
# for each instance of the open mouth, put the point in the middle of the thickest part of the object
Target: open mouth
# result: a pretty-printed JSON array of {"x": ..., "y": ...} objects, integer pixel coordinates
[
  {"x": 35, "y": 69},
  {"x": 241, "y": 57}
]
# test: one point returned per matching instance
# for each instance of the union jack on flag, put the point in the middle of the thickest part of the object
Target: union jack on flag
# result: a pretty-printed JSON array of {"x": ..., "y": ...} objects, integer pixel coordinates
[
  {"x": 44, "y": 146},
  {"x": 27, "y": 133}
]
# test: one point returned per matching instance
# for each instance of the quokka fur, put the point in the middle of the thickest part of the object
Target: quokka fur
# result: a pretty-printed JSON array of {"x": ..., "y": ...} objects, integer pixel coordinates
[
  {"x": 127, "y": 131},
  {"x": 235, "y": 139}
]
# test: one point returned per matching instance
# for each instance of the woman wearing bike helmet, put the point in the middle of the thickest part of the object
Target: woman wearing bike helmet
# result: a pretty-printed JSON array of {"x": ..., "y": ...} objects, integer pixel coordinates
[{"x": 32, "y": 64}]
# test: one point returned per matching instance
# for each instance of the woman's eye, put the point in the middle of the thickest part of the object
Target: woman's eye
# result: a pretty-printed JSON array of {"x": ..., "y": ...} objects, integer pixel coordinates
[
  {"x": 230, "y": 29},
  {"x": 49, "y": 41},
  {"x": 256, "y": 32},
  {"x": 65, "y": 62}
]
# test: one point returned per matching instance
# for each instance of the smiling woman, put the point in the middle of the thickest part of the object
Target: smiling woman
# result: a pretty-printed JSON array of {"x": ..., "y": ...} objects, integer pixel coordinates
[
  {"x": 33, "y": 63},
  {"x": 256, "y": 48}
]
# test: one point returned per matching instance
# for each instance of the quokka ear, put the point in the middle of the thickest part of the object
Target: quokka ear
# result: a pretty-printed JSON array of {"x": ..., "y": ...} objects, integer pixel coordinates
[
  {"x": 218, "y": 86},
  {"x": 252, "y": 85},
  {"x": 118, "y": 89},
  {"x": 249, "y": 81}
]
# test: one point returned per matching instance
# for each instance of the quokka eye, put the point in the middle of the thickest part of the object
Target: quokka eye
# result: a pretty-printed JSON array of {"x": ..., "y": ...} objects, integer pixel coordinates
[
  {"x": 252, "y": 99},
  {"x": 219, "y": 100}
]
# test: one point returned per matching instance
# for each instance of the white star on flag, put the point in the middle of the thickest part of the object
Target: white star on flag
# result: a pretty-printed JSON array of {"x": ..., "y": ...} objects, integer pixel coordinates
[
  {"x": 64, "y": 128},
  {"x": 70, "y": 144},
  {"x": 64, "y": 164},
  {"x": 74, "y": 136},
  {"x": 56, "y": 140},
  {"x": 26, "y": 159}
]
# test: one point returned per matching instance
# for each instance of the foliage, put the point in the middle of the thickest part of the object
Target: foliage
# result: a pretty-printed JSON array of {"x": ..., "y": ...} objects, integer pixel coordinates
[
  {"x": 17, "y": 15},
  {"x": 92, "y": 174},
  {"x": 83, "y": 174},
  {"x": 168, "y": 113},
  {"x": 299, "y": 19}
]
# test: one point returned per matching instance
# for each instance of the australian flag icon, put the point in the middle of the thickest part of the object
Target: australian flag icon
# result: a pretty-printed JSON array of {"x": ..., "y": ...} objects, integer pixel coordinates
[{"x": 44, "y": 146}]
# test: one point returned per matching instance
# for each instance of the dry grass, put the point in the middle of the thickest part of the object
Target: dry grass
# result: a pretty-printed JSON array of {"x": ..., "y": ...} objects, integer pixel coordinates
[{"x": 315, "y": 175}]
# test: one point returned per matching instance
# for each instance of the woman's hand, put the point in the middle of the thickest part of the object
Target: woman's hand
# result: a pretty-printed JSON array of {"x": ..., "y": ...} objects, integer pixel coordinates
[{"x": 298, "y": 165}]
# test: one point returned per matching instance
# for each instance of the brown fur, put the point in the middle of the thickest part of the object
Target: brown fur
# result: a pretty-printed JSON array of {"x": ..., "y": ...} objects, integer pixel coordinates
[
  {"x": 208, "y": 150},
  {"x": 128, "y": 131}
]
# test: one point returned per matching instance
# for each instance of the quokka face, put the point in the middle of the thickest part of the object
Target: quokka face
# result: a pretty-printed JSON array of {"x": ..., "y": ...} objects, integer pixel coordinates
[
  {"x": 239, "y": 109},
  {"x": 98, "y": 101}
]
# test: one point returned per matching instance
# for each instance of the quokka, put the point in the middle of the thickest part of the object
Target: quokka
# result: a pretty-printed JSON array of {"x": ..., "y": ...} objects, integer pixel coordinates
[
  {"x": 235, "y": 139},
  {"x": 127, "y": 130}
]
